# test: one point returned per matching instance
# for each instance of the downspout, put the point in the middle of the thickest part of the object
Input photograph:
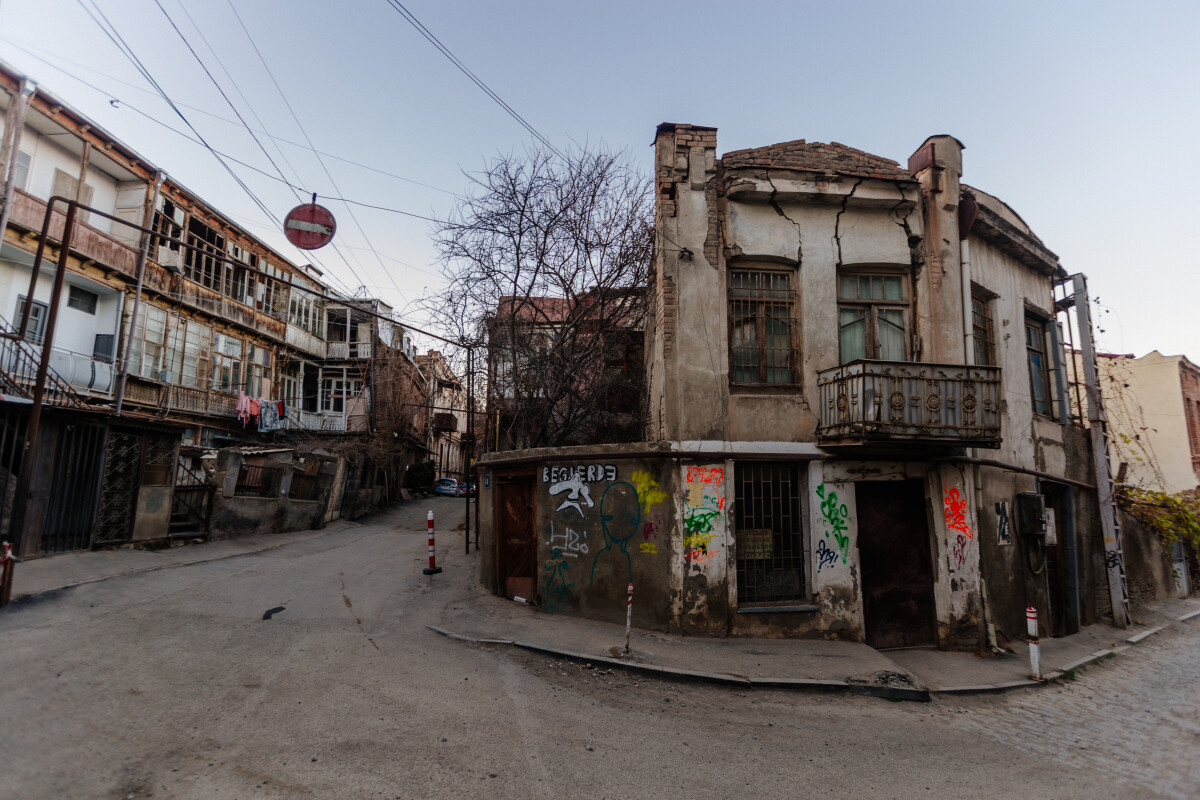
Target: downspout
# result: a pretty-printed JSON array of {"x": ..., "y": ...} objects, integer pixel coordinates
[
  {"x": 14, "y": 125},
  {"x": 143, "y": 253}
]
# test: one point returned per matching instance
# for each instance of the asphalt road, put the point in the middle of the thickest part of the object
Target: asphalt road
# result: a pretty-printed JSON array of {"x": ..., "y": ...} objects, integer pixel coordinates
[{"x": 170, "y": 684}]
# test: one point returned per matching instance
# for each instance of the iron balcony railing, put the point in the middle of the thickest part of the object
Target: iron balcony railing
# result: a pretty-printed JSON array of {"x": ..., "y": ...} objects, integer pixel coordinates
[{"x": 897, "y": 401}]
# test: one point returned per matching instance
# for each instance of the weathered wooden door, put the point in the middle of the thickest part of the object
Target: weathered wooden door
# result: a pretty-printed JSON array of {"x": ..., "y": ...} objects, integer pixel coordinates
[
  {"x": 516, "y": 535},
  {"x": 897, "y": 572}
]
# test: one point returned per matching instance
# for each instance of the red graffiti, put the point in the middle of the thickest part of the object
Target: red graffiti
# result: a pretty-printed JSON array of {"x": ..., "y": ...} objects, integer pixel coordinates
[
  {"x": 706, "y": 475},
  {"x": 960, "y": 551},
  {"x": 695, "y": 554},
  {"x": 648, "y": 531},
  {"x": 956, "y": 513}
]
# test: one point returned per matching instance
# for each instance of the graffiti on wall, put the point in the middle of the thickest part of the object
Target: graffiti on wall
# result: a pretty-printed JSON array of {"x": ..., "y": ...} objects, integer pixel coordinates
[
  {"x": 558, "y": 591},
  {"x": 956, "y": 513},
  {"x": 649, "y": 531},
  {"x": 960, "y": 551},
  {"x": 620, "y": 519},
  {"x": 835, "y": 519},
  {"x": 704, "y": 502},
  {"x": 826, "y": 555},
  {"x": 647, "y": 489},
  {"x": 571, "y": 542},
  {"x": 574, "y": 482}
]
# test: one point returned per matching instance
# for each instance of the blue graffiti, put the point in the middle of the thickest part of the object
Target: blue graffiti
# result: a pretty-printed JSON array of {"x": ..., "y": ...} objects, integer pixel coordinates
[
  {"x": 826, "y": 556},
  {"x": 623, "y": 509},
  {"x": 557, "y": 589}
]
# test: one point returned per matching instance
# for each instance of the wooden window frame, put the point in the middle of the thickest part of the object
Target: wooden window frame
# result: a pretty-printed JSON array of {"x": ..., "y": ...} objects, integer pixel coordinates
[
  {"x": 872, "y": 308},
  {"x": 983, "y": 327},
  {"x": 1041, "y": 406}
]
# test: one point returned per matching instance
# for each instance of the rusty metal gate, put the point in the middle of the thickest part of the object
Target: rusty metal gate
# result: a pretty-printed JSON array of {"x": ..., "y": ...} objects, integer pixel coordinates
[
  {"x": 71, "y": 508},
  {"x": 119, "y": 487},
  {"x": 12, "y": 453}
]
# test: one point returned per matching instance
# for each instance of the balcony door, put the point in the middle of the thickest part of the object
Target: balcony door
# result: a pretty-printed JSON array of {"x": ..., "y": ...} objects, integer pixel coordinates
[{"x": 897, "y": 571}]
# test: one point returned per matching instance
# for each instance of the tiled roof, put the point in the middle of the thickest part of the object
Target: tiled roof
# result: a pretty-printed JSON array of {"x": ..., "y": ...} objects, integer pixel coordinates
[
  {"x": 536, "y": 309},
  {"x": 818, "y": 157}
]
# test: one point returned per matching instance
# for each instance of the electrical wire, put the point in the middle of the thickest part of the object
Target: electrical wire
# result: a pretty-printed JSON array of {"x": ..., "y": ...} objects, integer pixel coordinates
[
  {"x": 242, "y": 120},
  {"x": 199, "y": 110},
  {"x": 421, "y": 29},
  {"x": 313, "y": 148}
]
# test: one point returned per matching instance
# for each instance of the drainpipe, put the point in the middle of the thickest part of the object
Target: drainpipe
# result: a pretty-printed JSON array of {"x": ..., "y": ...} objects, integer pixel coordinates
[
  {"x": 14, "y": 124},
  {"x": 143, "y": 253},
  {"x": 967, "y": 211}
]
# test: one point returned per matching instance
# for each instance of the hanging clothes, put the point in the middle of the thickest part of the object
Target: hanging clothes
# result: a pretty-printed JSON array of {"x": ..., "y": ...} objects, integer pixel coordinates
[
  {"x": 243, "y": 408},
  {"x": 268, "y": 419}
]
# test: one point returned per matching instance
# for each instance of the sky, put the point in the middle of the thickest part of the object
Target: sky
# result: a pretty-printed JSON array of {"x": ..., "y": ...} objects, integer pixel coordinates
[{"x": 1082, "y": 116}]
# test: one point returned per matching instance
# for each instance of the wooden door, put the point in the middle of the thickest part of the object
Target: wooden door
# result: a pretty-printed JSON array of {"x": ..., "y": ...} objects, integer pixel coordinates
[
  {"x": 516, "y": 535},
  {"x": 897, "y": 571}
]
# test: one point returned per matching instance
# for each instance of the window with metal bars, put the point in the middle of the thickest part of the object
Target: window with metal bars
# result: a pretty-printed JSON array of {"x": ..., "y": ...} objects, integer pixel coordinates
[
  {"x": 981, "y": 324},
  {"x": 762, "y": 330},
  {"x": 772, "y": 553}
]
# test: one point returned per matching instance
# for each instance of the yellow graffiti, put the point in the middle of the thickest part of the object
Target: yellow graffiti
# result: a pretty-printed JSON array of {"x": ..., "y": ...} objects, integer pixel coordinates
[
  {"x": 647, "y": 489},
  {"x": 649, "y": 547},
  {"x": 699, "y": 541}
]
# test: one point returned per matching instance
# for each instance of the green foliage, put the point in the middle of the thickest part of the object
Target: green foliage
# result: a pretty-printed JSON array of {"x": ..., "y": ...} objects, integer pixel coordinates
[
  {"x": 1173, "y": 517},
  {"x": 420, "y": 477}
]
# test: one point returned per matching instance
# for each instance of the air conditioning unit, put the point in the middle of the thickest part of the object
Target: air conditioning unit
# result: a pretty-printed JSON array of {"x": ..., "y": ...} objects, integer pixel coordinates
[
  {"x": 164, "y": 375},
  {"x": 170, "y": 259}
]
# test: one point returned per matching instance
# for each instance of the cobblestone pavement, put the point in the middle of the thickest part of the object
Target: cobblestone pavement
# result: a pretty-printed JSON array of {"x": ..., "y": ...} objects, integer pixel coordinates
[{"x": 1135, "y": 718}]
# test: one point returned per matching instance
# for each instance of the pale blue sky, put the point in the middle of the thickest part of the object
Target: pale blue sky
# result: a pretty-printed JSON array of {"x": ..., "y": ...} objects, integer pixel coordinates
[{"x": 1082, "y": 116}]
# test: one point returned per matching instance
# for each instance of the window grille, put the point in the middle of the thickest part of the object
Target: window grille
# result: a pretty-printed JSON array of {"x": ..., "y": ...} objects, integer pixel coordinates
[
  {"x": 762, "y": 331},
  {"x": 981, "y": 323},
  {"x": 772, "y": 558}
]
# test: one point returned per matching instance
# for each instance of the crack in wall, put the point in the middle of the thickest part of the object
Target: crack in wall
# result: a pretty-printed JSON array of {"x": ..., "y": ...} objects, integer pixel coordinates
[
  {"x": 837, "y": 221},
  {"x": 779, "y": 210}
]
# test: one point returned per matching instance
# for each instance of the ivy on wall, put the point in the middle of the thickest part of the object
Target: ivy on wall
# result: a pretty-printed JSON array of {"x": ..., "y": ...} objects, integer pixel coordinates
[{"x": 1173, "y": 517}]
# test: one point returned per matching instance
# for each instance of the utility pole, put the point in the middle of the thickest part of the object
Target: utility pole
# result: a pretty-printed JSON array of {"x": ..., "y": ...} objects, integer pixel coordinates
[{"x": 1114, "y": 559}]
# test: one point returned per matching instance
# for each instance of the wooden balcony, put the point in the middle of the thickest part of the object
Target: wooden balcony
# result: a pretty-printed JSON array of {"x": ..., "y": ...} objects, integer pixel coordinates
[
  {"x": 898, "y": 402},
  {"x": 29, "y": 212}
]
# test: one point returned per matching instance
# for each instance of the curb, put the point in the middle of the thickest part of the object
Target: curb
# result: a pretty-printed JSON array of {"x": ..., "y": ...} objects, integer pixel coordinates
[{"x": 718, "y": 678}]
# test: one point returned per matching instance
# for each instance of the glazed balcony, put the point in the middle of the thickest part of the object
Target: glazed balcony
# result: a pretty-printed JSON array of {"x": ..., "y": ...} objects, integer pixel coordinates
[{"x": 898, "y": 402}]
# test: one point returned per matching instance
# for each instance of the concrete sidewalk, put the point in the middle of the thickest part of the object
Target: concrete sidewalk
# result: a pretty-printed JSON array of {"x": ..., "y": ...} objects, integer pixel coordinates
[
  {"x": 472, "y": 614},
  {"x": 815, "y": 665}
]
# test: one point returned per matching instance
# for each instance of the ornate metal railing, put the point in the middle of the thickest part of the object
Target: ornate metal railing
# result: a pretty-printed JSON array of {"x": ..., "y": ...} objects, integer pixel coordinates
[{"x": 896, "y": 401}]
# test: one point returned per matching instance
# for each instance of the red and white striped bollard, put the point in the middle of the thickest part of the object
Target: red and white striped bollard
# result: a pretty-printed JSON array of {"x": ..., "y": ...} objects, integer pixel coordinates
[
  {"x": 1031, "y": 623},
  {"x": 628, "y": 615},
  {"x": 433, "y": 568}
]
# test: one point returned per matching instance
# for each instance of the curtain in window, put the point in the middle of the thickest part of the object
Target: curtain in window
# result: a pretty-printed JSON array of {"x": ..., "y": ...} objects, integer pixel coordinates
[
  {"x": 891, "y": 334},
  {"x": 745, "y": 350},
  {"x": 778, "y": 343},
  {"x": 852, "y": 334}
]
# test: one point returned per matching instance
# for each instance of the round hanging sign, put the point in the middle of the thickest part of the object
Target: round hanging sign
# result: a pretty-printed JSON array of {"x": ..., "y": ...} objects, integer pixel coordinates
[{"x": 309, "y": 226}]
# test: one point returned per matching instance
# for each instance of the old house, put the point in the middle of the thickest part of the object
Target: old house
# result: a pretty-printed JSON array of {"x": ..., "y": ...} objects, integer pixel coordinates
[
  {"x": 856, "y": 417},
  {"x": 161, "y": 349},
  {"x": 447, "y": 442}
]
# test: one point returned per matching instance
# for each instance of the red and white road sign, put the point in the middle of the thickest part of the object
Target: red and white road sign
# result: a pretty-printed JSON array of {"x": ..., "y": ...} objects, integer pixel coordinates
[{"x": 309, "y": 226}]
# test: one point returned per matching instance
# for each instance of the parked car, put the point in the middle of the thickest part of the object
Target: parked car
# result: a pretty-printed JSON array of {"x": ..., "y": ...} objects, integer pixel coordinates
[
  {"x": 464, "y": 490},
  {"x": 447, "y": 487}
]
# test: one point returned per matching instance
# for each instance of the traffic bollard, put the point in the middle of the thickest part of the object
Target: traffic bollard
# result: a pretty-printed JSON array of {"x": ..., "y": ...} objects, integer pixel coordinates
[
  {"x": 433, "y": 568},
  {"x": 1031, "y": 622},
  {"x": 9, "y": 562},
  {"x": 628, "y": 615}
]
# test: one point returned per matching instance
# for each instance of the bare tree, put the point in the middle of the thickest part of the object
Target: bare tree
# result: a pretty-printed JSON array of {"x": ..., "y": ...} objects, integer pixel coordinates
[{"x": 547, "y": 261}]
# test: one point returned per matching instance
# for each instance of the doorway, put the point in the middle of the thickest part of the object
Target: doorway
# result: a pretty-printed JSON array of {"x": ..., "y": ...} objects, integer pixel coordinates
[
  {"x": 516, "y": 535},
  {"x": 897, "y": 571}
]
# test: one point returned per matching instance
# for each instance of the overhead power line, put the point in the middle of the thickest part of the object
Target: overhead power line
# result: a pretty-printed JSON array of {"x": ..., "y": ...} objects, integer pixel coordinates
[
  {"x": 313, "y": 148},
  {"x": 75, "y": 76},
  {"x": 421, "y": 29}
]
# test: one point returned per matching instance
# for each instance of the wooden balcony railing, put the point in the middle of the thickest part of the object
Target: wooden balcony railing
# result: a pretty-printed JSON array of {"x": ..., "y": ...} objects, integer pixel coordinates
[{"x": 876, "y": 402}]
